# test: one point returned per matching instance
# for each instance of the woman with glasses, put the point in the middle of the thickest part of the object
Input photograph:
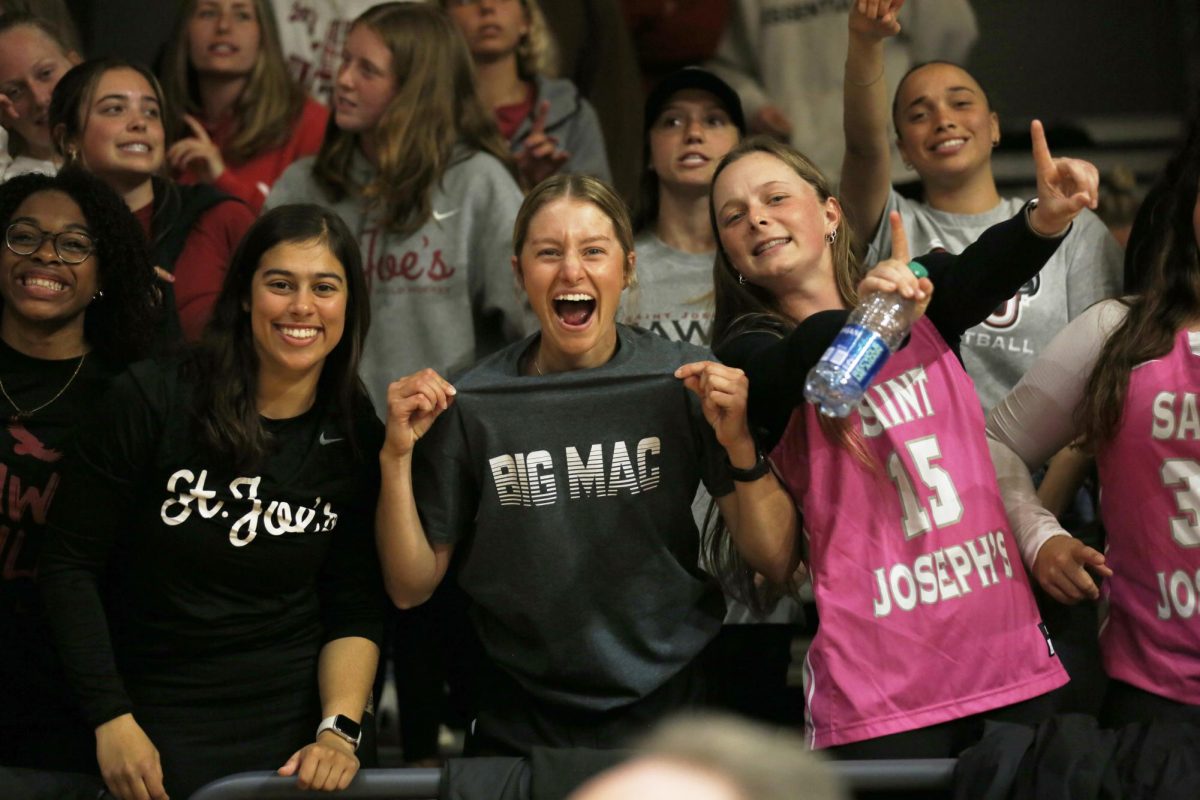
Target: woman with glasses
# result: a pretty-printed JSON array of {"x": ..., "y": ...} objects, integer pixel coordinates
[{"x": 75, "y": 307}]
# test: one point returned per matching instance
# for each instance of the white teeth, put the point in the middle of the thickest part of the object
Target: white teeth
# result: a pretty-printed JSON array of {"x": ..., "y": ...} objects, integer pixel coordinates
[
  {"x": 950, "y": 143},
  {"x": 693, "y": 158},
  {"x": 768, "y": 244},
  {"x": 136, "y": 147},
  {"x": 578, "y": 296},
  {"x": 222, "y": 48},
  {"x": 299, "y": 333},
  {"x": 45, "y": 283}
]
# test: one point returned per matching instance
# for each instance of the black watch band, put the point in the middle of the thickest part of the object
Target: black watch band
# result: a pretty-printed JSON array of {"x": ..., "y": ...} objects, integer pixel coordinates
[{"x": 761, "y": 467}]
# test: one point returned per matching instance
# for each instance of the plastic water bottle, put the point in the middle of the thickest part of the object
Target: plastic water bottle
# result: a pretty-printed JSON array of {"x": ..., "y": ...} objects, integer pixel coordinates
[{"x": 872, "y": 333}]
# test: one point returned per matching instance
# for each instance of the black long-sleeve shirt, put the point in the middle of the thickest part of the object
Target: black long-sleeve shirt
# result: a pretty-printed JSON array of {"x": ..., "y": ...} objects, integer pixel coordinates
[
  {"x": 172, "y": 578},
  {"x": 967, "y": 288}
]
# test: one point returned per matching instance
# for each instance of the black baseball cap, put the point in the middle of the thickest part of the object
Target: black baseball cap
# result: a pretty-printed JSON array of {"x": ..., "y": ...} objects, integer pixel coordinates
[{"x": 694, "y": 78}]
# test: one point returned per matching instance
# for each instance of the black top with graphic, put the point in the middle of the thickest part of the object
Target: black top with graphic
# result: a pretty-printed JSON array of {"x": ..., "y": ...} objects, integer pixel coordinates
[
  {"x": 32, "y": 687},
  {"x": 569, "y": 497},
  {"x": 219, "y": 585}
]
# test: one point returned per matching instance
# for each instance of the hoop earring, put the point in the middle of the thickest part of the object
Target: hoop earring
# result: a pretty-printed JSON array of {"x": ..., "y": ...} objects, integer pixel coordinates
[{"x": 831, "y": 236}]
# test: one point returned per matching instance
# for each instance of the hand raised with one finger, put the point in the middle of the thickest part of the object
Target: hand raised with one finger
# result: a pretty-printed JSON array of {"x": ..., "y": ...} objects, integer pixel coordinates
[
  {"x": 1065, "y": 186},
  {"x": 893, "y": 274},
  {"x": 198, "y": 153},
  {"x": 875, "y": 19},
  {"x": 414, "y": 402}
]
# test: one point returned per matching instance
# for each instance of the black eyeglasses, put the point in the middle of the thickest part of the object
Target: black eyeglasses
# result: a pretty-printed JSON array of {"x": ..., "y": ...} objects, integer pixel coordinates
[{"x": 72, "y": 247}]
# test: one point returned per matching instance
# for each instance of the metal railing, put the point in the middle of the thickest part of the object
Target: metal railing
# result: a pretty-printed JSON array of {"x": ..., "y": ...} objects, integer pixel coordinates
[{"x": 422, "y": 784}]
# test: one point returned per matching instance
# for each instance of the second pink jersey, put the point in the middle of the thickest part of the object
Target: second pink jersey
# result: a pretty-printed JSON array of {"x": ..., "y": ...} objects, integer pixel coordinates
[
  {"x": 1150, "y": 504},
  {"x": 926, "y": 612}
]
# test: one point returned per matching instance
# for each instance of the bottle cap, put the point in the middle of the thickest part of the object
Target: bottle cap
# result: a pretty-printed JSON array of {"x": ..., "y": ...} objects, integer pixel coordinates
[{"x": 918, "y": 269}]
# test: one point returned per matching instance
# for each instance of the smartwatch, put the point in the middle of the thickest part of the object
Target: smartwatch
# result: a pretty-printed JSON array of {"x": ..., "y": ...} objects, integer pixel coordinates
[
  {"x": 343, "y": 726},
  {"x": 761, "y": 467}
]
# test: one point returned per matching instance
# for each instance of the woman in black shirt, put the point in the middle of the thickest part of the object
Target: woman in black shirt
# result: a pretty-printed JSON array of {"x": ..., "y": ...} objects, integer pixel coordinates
[
  {"x": 75, "y": 288},
  {"x": 224, "y": 513}
]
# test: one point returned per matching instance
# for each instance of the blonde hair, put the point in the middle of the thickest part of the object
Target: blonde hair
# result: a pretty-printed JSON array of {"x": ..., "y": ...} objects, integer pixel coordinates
[
  {"x": 576, "y": 186},
  {"x": 537, "y": 53},
  {"x": 268, "y": 106},
  {"x": 435, "y": 109}
]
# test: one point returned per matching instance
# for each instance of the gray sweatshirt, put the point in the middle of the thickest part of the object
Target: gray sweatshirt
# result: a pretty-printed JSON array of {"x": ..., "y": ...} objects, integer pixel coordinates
[{"x": 443, "y": 296}]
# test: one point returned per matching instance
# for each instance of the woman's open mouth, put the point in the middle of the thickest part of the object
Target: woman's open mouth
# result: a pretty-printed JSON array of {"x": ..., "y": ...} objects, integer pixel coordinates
[{"x": 575, "y": 309}]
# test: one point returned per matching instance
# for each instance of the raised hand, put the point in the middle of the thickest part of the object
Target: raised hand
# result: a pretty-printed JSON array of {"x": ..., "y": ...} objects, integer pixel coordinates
[
  {"x": 875, "y": 19},
  {"x": 129, "y": 761},
  {"x": 539, "y": 156},
  {"x": 1065, "y": 186},
  {"x": 892, "y": 275},
  {"x": 723, "y": 392},
  {"x": 1061, "y": 567},
  {"x": 414, "y": 402},
  {"x": 325, "y": 765},
  {"x": 197, "y": 153}
]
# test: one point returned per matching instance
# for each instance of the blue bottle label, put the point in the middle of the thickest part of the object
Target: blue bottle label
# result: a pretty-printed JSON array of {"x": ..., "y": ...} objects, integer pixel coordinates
[{"x": 858, "y": 353}]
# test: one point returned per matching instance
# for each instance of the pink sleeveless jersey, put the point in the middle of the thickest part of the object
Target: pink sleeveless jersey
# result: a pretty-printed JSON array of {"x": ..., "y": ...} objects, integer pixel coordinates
[
  {"x": 926, "y": 612},
  {"x": 1150, "y": 504}
]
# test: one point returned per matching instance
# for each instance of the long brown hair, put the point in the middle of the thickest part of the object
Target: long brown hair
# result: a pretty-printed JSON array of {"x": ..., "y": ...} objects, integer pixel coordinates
[
  {"x": 269, "y": 104},
  {"x": 1164, "y": 263},
  {"x": 434, "y": 111}
]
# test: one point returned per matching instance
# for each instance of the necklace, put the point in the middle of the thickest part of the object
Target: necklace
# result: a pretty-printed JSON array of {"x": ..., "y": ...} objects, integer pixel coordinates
[{"x": 20, "y": 414}]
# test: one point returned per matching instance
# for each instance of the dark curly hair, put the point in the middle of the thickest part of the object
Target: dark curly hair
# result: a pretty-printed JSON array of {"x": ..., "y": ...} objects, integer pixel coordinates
[{"x": 118, "y": 325}]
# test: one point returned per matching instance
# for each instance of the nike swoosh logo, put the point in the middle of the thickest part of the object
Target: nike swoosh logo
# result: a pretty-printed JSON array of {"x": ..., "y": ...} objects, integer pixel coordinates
[
  {"x": 324, "y": 441},
  {"x": 438, "y": 216}
]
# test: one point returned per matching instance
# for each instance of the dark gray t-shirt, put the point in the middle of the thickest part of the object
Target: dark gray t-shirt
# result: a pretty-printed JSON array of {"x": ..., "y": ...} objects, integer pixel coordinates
[{"x": 570, "y": 497}]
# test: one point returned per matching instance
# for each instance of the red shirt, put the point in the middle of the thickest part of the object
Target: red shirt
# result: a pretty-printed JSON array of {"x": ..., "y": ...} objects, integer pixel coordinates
[
  {"x": 201, "y": 266},
  {"x": 509, "y": 118},
  {"x": 251, "y": 180}
]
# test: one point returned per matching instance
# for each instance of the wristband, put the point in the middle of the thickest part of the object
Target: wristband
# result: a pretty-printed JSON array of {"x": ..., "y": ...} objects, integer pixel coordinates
[
  {"x": 761, "y": 467},
  {"x": 1029, "y": 207}
]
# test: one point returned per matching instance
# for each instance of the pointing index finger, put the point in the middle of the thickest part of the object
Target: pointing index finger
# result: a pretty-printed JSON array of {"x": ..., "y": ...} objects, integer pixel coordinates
[
  {"x": 1042, "y": 160},
  {"x": 539, "y": 118},
  {"x": 197, "y": 129},
  {"x": 899, "y": 237}
]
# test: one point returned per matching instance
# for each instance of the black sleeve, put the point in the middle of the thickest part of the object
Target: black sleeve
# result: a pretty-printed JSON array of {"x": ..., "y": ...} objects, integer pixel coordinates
[
  {"x": 353, "y": 602},
  {"x": 969, "y": 286},
  {"x": 777, "y": 366},
  {"x": 95, "y": 499}
]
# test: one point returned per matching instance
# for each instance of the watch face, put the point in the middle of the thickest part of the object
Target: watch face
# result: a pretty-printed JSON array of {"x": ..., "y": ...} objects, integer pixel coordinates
[{"x": 347, "y": 726}]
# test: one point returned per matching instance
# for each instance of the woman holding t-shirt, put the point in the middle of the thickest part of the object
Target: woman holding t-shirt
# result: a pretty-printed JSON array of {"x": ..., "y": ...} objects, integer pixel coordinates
[
  {"x": 107, "y": 116},
  {"x": 912, "y": 562},
  {"x": 946, "y": 131},
  {"x": 588, "y": 511},
  {"x": 414, "y": 165},
  {"x": 1124, "y": 378},
  {"x": 77, "y": 307},
  {"x": 247, "y": 119},
  {"x": 210, "y": 575}
]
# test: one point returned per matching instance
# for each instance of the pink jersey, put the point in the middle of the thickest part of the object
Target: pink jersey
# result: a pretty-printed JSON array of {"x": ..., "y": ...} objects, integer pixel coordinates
[
  {"x": 926, "y": 612},
  {"x": 1150, "y": 505}
]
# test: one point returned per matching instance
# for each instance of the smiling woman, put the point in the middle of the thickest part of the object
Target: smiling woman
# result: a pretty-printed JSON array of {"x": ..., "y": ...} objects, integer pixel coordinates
[
  {"x": 107, "y": 116},
  {"x": 589, "y": 509},
  {"x": 246, "y": 119},
  {"x": 272, "y": 577},
  {"x": 75, "y": 308},
  {"x": 33, "y": 56}
]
